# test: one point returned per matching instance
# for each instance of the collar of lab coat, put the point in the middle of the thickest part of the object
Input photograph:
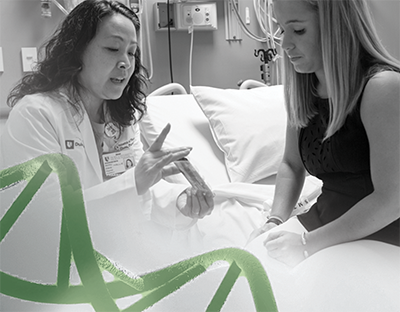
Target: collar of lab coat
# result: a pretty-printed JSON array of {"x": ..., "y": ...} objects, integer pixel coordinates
[{"x": 85, "y": 128}]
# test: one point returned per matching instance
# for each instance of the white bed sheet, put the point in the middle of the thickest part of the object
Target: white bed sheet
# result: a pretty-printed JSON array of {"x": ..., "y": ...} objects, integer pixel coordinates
[
  {"x": 121, "y": 233},
  {"x": 359, "y": 276}
]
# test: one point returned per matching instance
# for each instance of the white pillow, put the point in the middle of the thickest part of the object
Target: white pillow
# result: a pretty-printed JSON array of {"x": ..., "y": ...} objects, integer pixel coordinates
[
  {"x": 189, "y": 127},
  {"x": 249, "y": 126}
]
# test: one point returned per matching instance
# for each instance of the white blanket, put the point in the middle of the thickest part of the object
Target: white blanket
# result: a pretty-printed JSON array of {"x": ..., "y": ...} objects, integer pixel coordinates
[
  {"x": 358, "y": 276},
  {"x": 124, "y": 234}
]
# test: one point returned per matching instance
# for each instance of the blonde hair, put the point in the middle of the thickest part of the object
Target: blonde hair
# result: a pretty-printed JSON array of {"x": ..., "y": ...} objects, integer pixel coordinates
[{"x": 351, "y": 54}]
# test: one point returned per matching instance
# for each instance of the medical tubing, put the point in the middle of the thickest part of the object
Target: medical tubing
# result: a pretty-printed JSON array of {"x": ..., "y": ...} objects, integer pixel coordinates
[
  {"x": 270, "y": 24},
  {"x": 269, "y": 35},
  {"x": 143, "y": 13},
  {"x": 191, "y": 32},
  {"x": 243, "y": 26},
  {"x": 258, "y": 10},
  {"x": 60, "y": 7}
]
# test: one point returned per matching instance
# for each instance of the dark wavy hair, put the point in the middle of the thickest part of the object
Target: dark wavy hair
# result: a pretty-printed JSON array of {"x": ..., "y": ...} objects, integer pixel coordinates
[{"x": 63, "y": 61}]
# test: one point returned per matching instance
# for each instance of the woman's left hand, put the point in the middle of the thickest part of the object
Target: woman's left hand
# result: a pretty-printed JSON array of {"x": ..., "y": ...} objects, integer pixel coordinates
[
  {"x": 157, "y": 163},
  {"x": 286, "y": 247},
  {"x": 195, "y": 204}
]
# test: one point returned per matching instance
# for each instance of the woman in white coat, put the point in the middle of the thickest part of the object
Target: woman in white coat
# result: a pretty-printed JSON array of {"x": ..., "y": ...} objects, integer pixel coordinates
[{"x": 84, "y": 100}]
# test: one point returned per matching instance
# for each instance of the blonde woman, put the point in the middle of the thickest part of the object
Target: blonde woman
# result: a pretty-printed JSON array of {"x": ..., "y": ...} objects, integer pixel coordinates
[{"x": 342, "y": 97}]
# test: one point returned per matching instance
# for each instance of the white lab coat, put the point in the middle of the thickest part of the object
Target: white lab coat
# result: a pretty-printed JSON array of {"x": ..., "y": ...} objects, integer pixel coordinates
[
  {"x": 46, "y": 123},
  {"x": 140, "y": 232}
]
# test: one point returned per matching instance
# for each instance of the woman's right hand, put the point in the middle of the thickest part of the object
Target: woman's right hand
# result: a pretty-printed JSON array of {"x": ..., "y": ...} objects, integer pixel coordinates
[{"x": 157, "y": 163}]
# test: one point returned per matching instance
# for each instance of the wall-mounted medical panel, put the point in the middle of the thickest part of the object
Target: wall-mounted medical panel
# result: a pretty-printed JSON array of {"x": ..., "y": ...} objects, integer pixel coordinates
[
  {"x": 182, "y": 15},
  {"x": 202, "y": 16}
]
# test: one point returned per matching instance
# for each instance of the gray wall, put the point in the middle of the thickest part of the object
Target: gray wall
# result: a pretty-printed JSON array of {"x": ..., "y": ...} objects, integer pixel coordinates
[
  {"x": 216, "y": 62},
  {"x": 21, "y": 25}
]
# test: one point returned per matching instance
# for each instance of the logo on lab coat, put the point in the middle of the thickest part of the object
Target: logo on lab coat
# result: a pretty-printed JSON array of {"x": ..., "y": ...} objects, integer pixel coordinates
[{"x": 70, "y": 144}]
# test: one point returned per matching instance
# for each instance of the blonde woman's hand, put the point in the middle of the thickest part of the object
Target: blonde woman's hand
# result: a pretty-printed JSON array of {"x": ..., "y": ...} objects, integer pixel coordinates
[
  {"x": 261, "y": 230},
  {"x": 286, "y": 247},
  {"x": 157, "y": 163},
  {"x": 195, "y": 204}
]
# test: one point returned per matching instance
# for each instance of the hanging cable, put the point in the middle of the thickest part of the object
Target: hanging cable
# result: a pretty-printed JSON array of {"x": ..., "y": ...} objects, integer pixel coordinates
[
  {"x": 150, "y": 52},
  {"x": 243, "y": 26},
  {"x": 264, "y": 22},
  {"x": 270, "y": 26},
  {"x": 191, "y": 32},
  {"x": 169, "y": 44},
  {"x": 140, "y": 9},
  {"x": 260, "y": 15},
  {"x": 263, "y": 12}
]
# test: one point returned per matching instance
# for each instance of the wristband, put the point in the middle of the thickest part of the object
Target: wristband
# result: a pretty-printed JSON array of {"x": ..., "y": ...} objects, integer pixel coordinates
[
  {"x": 274, "y": 219},
  {"x": 304, "y": 242}
]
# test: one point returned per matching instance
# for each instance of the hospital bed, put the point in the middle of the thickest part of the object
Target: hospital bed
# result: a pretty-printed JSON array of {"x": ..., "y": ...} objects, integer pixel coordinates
[{"x": 237, "y": 137}]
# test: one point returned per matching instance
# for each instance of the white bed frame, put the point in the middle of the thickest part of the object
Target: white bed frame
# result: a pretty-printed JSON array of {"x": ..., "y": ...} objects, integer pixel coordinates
[{"x": 360, "y": 276}]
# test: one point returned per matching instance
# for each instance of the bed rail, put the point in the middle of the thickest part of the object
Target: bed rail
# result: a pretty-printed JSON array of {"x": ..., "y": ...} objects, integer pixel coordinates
[{"x": 168, "y": 89}]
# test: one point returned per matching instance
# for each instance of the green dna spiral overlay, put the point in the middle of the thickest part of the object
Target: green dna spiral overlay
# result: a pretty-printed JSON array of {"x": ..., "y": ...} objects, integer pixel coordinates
[{"x": 76, "y": 245}]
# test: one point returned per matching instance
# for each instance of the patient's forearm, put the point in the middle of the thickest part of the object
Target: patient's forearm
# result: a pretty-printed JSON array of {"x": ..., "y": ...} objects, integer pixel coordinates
[
  {"x": 367, "y": 217},
  {"x": 289, "y": 184}
]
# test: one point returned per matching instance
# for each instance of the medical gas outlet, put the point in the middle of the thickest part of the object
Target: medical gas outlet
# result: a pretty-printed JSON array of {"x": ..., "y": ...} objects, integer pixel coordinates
[
  {"x": 202, "y": 16},
  {"x": 199, "y": 15}
]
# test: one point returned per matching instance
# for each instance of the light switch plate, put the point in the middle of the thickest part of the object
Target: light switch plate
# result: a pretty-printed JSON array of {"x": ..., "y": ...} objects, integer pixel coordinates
[
  {"x": 29, "y": 58},
  {"x": 1, "y": 60}
]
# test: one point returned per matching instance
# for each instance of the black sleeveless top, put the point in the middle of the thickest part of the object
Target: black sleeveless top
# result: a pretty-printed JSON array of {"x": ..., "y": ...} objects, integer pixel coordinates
[{"x": 342, "y": 163}]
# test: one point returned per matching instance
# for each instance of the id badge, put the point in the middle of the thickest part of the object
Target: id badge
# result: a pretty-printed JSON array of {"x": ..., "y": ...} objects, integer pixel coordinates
[{"x": 118, "y": 162}]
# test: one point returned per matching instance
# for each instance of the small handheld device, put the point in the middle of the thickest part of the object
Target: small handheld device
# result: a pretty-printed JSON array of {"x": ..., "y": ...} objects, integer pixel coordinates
[{"x": 192, "y": 175}]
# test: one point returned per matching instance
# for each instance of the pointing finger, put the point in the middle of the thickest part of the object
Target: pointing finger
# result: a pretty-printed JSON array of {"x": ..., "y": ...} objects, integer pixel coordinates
[{"x": 159, "y": 141}]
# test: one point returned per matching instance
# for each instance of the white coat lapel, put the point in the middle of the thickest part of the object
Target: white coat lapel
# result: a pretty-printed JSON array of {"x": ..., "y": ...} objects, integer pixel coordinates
[{"x": 86, "y": 131}]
